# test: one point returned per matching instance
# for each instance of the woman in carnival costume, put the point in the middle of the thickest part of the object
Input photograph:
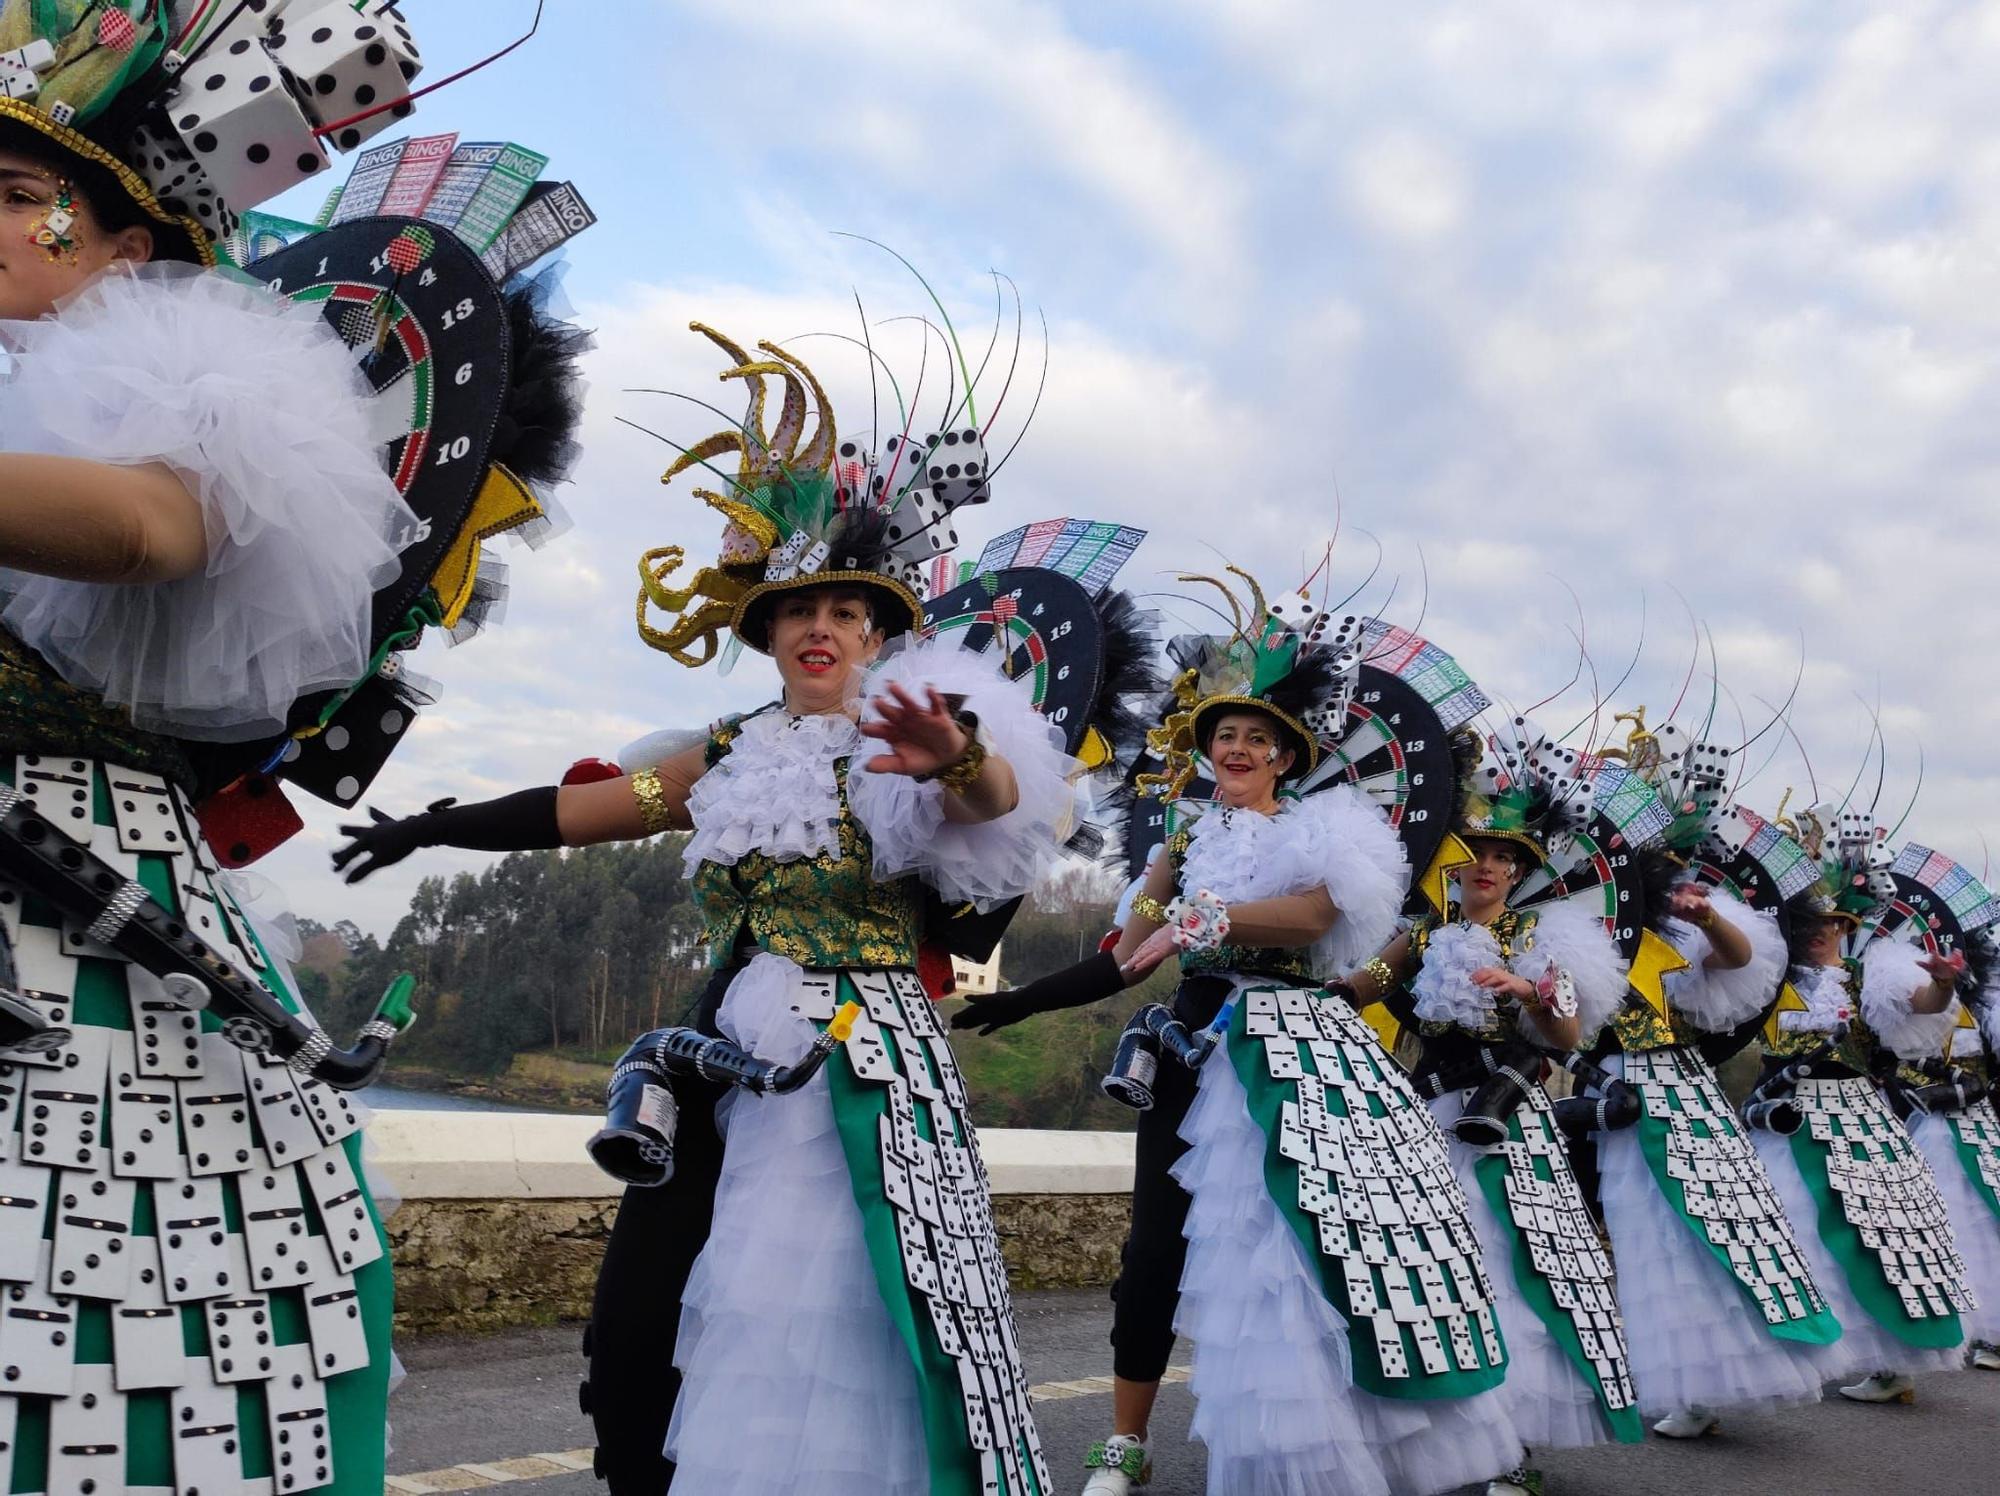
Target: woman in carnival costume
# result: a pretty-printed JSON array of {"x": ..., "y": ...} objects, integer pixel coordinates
[
  {"x": 1716, "y": 1291},
  {"x": 1494, "y": 988},
  {"x": 1928, "y": 1065},
  {"x": 1975, "y": 1054},
  {"x": 1873, "y": 1224},
  {"x": 1294, "y": 1212},
  {"x": 814, "y": 1301},
  {"x": 200, "y": 540}
]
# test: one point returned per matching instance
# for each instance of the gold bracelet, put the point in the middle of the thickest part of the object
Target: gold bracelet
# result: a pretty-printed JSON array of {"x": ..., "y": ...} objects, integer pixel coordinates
[
  {"x": 654, "y": 813},
  {"x": 962, "y": 773},
  {"x": 1147, "y": 907},
  {"x": 1385, "y": 979}
]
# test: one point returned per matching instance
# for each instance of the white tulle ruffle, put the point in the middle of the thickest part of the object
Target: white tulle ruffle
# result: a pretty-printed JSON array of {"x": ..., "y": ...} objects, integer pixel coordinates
[
  {"x": 1575, "y": 940},
  {"x": 1890, "y": 977},
  {"x": 1716, "y": 1001},
  {"x": 1443, "y": 986},
  {"x": 775, "y": 791},
  {"x": 256, "y": 403},
  {"x": 1974, "y": 1226},
  {"x": 1336, "y": 839},
  {"x": 1692, "y": 1338},
  {"x": 994, "y": 861},
  {"x": 795, "y": 1380},
  {"x": 1828, "y": 1003},
  {"x": 1550, "y": 1403},
  {"x": 1275, "y": 1405},
  {"x": 1864, "y": 1345}
]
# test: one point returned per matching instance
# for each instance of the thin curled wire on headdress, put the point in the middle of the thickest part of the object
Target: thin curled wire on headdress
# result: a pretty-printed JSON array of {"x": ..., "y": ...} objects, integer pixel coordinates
[
  {"x": 1618, "y": 685},
  {"x": 1034, "y": 409},
  {"x": 1694, "y": 659},
  {"x": 1915, "y": 790}
]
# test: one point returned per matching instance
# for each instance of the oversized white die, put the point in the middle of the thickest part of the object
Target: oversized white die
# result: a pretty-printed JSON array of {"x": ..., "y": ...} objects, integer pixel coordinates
[
  {"x": 177, "y": 179},
  {"x": 234, "y": 109},
  {"x": 344, "y": 61}
]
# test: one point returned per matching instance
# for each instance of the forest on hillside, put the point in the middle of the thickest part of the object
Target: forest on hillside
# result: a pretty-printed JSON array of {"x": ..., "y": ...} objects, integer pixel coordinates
[{"x": 573, "y": 954}]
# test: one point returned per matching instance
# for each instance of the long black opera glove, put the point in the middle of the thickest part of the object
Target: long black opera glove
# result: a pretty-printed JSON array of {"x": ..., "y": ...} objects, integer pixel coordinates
[
  {"x": 1072, "y": 987},
  {"x": 524, "y": 821}
]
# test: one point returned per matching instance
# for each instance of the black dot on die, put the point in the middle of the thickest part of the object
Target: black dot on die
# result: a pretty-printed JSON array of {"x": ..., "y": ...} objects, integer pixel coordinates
[
  {"x": 189, "y": 121},
  {"x": 205, "y": 142},
  {"x": 409, "y": 72},
  {"x": 238, "y": 47},
  {"x": 322, "y": 34},
  {"x": 259, "y": 83},
  {"x": 324, "y": 84},
  {"x": 365, "y": 95},
  {"x": 349, "y": 138},
  {"x": 376, "y": 55},
  {"x": 215, "y": 81},
  {"x": 308, "y": 162},
  {"x": 258, "y": 153},
  {"x": 363, "y": 33}
]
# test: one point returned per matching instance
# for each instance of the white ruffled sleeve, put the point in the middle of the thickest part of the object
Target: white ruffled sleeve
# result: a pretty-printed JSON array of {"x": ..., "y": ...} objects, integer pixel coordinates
[
  {"x": 258, "y": 406},
  {"x": 1717, "y": 1001},
  {"x": 1340, "y": 840},
  {"x": 1443, "y": 987},
  {"x": 1574, "y": 940},
  {"x": 1890, "y": 977},
  {"x": 993, "y": 861}
]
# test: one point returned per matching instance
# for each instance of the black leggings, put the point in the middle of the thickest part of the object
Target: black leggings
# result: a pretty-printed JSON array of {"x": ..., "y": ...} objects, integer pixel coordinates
[
  {"x": 636, "y": 1314},
  {"x": 1148, "y": 1290}
]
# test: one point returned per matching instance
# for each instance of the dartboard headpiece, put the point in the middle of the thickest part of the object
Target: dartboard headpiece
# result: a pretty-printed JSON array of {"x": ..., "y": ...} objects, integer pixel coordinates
[
  {"x": 198, "y": 109},
  {"x": 807, "y": 509},
  {"x": 1286, "y": 658}
]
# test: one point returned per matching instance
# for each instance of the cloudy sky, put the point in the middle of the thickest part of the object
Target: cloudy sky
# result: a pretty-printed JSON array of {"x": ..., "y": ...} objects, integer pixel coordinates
[{"x": 1660, "y": 301}]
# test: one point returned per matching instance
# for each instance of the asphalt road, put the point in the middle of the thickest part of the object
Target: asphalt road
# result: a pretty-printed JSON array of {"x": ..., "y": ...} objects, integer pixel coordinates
[{"x": 505, "y": 1406}]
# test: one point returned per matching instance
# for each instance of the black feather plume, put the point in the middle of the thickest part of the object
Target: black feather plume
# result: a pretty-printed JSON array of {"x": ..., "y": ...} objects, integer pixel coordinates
[{"x": 536, "y": 435}]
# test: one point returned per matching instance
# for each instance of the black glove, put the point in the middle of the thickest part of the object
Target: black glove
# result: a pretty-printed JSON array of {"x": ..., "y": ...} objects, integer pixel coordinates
[
  {"x": 1072, "y": 987},
  {"x": 524, "y": 821}
]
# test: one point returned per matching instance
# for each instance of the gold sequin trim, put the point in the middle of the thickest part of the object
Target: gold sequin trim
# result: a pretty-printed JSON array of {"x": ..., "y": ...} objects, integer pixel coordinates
[
  {"x": 1148, "y": 907},
  {"x": 654, "y": 813}
]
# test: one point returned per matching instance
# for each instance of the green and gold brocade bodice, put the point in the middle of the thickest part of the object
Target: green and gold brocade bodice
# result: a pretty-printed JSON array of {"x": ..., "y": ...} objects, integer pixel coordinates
[
  {"x": 40, "y": 712},
  {"x": 1856, "y": 1049},
  {"x": 825, "y": 912},
  {"x": 1290, "y": 965}
]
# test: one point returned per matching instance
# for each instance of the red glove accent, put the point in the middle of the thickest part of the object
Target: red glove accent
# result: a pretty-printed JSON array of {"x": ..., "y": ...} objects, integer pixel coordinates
[
  {"x": 1111, "y": 938},
  {"x": 589, "y": 771}
]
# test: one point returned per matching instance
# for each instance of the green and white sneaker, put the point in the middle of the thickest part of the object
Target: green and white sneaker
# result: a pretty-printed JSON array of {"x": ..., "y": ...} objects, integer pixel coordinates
[
  {"x": 1522, "y": 1480},
  {"x": 1117, "y": 1466}
]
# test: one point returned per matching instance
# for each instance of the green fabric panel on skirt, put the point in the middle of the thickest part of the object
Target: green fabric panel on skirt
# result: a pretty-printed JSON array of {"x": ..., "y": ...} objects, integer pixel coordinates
[
  {"x": 1970, "y": 1154},
  {"x": 356, "y": 1401},
  {"x": 1820, "y": 1328},
  {"x": 1266, "y": 1098},
  {"x": 859, "y": 1107},
  {"x": 1491, "y": 1170},
  {"x": 1862, "y": 1269}
]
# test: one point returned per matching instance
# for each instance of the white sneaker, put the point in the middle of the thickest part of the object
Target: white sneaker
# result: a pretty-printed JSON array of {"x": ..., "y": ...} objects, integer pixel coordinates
[
  {"x": 1882, "y": 1387},
  {"x": 1986, "y": 1357},
  {"x": 1117, "y": 1466},
  {"x": 1518, "y": 1482},
  {"x": 1687, "y": 1423}
]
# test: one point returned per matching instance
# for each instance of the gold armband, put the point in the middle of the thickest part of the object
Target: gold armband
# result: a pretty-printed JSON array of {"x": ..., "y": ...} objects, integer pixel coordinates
[
  {"x": 654, "y": 812},
  {"x": 961, "y": 773},
  {"x": 1385, "y": 979},
  {"x": 1147, "y": 907}
]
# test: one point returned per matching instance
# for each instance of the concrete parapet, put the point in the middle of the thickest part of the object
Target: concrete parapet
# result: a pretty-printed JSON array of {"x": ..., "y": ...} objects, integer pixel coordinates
[{"x": 504, "y": 1217}]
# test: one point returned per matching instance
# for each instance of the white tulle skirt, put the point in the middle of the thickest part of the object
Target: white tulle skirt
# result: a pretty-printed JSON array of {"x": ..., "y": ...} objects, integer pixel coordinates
[
  {"x": 1864, "y": 1346},
  {"x": 1276, "y": 1404},
  {"x": 1973, "y": 1225},
  {"x": 1691, "y": 1336},
  {"x": 795, "y": 1381},
  {"x": 1551, "y": 1404}
]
